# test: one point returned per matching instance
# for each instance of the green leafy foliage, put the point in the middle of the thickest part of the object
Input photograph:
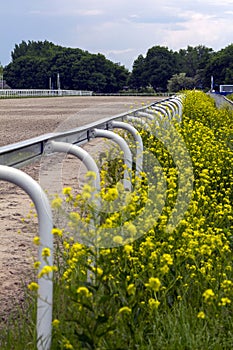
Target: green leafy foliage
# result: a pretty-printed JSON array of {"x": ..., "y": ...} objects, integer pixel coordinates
[
  {"x": 221, "y": 66},
  {"x": 34, "y": 63},
  {"x": 198, "y": 63},
  {"x": 180, "y": 82}
]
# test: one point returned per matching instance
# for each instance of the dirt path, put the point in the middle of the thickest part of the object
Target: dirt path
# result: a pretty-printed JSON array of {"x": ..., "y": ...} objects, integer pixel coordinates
[{"x": 21, "y": 119}]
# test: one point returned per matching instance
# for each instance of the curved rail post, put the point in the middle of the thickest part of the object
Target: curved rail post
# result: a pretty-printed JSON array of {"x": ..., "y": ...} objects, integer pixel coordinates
[
  {"x": 162, "y": 109},
  {"x": 174, "y": 101},
  {"x": 160, "y": 123},
  {"x": 138, "y": 140},
  {"x": 171, "y": 108},
  {"x": 125, "y": 148},
  {"x": 166, "y": 106},
  {"x": 80, "y": 153},
  {"x": 45, "y": 292},
  {"x": 156, "y": 114},
  {"x": 147, "y": 115},
  {"x": 138, "y": 121},
  {"x": 178, "y": 102},
  {"x": 86, "y": 158},
  {"x": 177, "y": 111},
  {"x": 174, "y": 107}
]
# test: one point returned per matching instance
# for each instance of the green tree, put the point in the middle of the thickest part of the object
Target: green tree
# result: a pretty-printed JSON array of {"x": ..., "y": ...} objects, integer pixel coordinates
[
  {"x": 34, "y": 63},
  {"x": 160, "y": 65},
  {"x": 221, "y": 67},
  {"x": 194, "y": 59},
  {"x": 180, "y": 82},
  {"x": 193, "y": 62},
  {"x": 138, "y": 78}
]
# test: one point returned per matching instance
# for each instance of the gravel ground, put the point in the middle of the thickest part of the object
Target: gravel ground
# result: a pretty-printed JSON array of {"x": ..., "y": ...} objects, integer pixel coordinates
[
  {"x": 21, "y": 119},
  {"x": 25, "y": 118},
  {"x": 220, "y": 101}
]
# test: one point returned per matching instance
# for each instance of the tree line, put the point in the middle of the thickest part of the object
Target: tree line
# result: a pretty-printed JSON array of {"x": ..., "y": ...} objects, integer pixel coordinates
[{"x": 35, "y": 65}]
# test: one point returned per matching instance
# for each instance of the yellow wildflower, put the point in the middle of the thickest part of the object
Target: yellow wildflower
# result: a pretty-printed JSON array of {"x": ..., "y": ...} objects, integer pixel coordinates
[
  {"x": 224, "y": 301},
  {"x": 118, "y": 239},
  {"x": 167, "y": 258},
  {"x": 201, "y": 314},
  {"x": 131, "y": 289},
  {"x": 33, "y": 286},
  {"x": 56, "y": 203},
  {"x": 164, "y": 269},
  {"x": 130, "y": 228},
  {"x": 36, "y": 240},
  {"x": 154, "y": 284},
  {"x": 99, "y": 271},
  {"x": 36, "y": 265},
  {"x": 57, "y": 232},
  {"x": 75, "y": 217},
  {"x": 46, "y": 270},
  {"x": 84, "y": 291},
  {"x": 45, "y": 252},
  {"x": 125, "y": 310},
  {"x": 111, "y": 194},
  {"x": 208, "y": 295},
  {"x": 91, "y": 174},
  {"x": 55, "y": 323},
  {"x": 67, "y": 191},
  {"x": 67, "y": 345},
  {"x": 227, "y": 285},
  {"x": 154, "y": 304},
  {"x": 128, "y": 248}
]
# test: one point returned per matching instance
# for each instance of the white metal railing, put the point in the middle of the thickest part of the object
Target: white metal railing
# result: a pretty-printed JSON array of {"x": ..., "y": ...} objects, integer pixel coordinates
[
  {"x": 21, "y": 153},
  {"x": 228, "y": 100},
  {"x": 13, "y": 93},
  {"x": 25, "y": 152},
  {"x": 39, "y": 198}
]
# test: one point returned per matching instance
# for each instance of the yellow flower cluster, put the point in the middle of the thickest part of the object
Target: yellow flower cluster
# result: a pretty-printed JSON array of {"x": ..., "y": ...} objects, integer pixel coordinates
[
  {"x": 46, "y": 271},
  {"x": 154, "y": 284},
  {"x": 147, "y": 268},
  {"x": 33, "y": 286},
  {"x": 83, "y": 291},
  {"x": 125, "y": 310}
]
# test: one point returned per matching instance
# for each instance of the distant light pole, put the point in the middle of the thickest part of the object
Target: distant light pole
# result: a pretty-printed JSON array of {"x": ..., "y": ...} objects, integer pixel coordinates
[
  {"x": 58, "y": 82},
  {"x": 1, "y": 76},
  {"x": 212, "y": 83}
]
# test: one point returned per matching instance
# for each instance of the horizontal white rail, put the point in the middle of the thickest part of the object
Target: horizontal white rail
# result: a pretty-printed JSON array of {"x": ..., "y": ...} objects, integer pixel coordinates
[
  {"x": 228, "y": 100},
  {"x": 7, "y": 93},
  {"x": 25, "y": 152}
]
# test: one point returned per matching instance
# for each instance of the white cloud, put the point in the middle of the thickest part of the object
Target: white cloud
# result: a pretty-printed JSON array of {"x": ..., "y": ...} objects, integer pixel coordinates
[
  {"x": 201, "y": 29},
  {"x": 118, "y": 52},
  {"x": 119, "y": 29},
  {"x": 90, "y": 12},
  {"x": 67, "y": 12}
]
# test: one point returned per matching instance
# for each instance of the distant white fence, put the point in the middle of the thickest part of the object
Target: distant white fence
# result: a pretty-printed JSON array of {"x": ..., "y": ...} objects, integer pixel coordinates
[{"x": 14, "y": 93}]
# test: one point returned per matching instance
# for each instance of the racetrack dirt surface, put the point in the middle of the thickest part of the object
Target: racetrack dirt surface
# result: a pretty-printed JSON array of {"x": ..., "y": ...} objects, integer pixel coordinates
[{"x": 21, "y": 119}]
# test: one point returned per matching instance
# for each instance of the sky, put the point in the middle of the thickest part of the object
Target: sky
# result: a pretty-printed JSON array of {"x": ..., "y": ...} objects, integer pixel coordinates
[{"x": 119, "y": 29}]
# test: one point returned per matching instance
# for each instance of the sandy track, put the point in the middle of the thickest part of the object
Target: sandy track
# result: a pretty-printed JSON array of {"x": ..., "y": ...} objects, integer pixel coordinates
[{"x": 21, "y": 119}]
